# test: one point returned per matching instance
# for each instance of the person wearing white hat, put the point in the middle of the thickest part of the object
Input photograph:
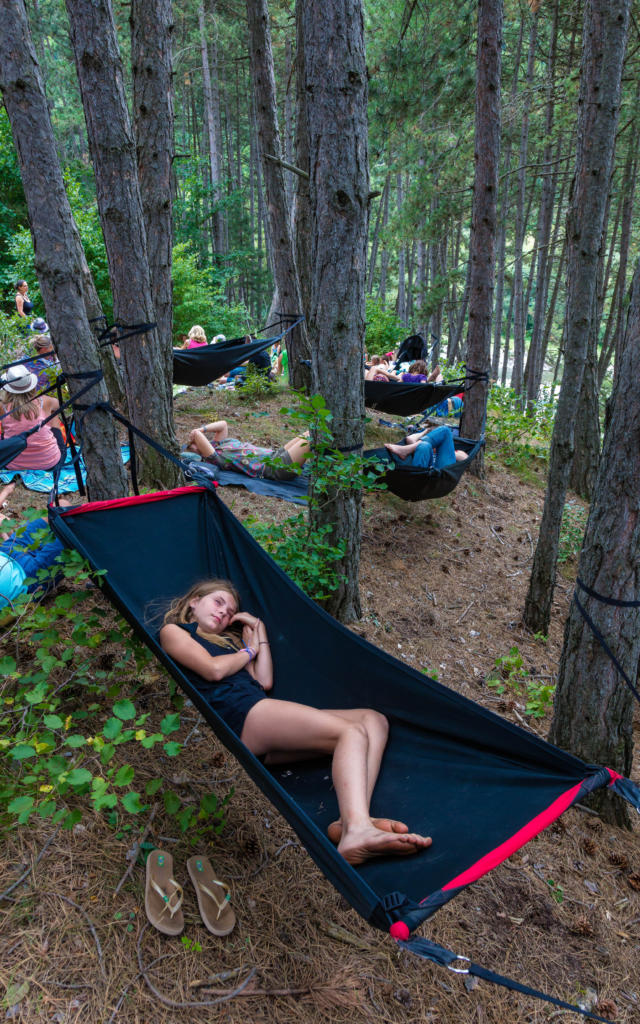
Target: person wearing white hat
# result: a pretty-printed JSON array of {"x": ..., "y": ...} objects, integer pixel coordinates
[{"x": 23, "y": 409}]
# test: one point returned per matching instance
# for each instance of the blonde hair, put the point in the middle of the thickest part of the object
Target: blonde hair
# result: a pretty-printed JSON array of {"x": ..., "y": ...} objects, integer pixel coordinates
[
  {"x": 21, "y": 406},
  {"x": 197, "y": 333},
  {"x": 179, "y": 611}
]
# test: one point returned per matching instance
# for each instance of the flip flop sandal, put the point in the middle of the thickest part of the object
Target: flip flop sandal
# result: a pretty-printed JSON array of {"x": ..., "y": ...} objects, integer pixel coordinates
[
  {"x": 163, "y": 895},
  {"x": 213, "y": 897}
]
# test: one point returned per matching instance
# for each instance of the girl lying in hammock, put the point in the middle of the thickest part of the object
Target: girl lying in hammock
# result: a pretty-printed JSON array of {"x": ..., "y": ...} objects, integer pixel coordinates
[
  {"x": 431, "y": 448},
  {"x": 235, "y": 674}
]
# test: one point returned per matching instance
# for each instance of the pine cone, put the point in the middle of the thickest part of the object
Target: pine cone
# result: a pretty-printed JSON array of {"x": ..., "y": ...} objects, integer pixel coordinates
[
  {"x": 620, "y": 860},
  {"x": 634, "y": 880},
  {"x": 607, "y": 1008},
  {"x": 594, "y": 824},
  {"x": 590, "y": 846},
  {"x": 252, "y": 847},
  {"x": 581, "y": 925}
]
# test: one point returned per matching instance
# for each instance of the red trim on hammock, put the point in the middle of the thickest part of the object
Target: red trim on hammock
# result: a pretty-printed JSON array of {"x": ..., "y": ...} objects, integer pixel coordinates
[
  {"x": 531, "y": 829},
  {"x": 614, "y": 775},
  {"x": 136, "y": 499}
]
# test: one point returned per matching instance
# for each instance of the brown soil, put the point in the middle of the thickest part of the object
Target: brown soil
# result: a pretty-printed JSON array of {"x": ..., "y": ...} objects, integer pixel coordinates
[{"x": 443, "y": 585}]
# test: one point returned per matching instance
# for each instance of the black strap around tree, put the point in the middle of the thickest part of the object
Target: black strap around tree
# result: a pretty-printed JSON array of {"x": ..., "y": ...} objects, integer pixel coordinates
[
  {"x": 596, "y": 632},
  {"x": 131, "y": 330},
  {"x": 428, "y": 950}
]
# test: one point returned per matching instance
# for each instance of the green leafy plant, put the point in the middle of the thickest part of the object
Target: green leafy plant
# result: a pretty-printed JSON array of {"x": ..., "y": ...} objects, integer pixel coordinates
[
  {"x": 67, "y": 722},
  {"x": 574, "y": 521},
  {"x": 556, "y": 890},
  {"x": 256, "y": 385},
  {"x": 513, "y": 676},
  {"x": 520, "y": 439},
  {"x": 384, "y": 330}
]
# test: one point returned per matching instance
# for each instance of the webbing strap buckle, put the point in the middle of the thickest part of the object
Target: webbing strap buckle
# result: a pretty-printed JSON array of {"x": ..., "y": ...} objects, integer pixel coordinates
[{"x": 459, "y": 970}]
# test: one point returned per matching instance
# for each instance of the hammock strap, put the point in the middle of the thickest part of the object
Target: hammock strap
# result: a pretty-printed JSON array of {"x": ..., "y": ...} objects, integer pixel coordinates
[
  {"x": 596, "y": 632},
  {"x": 134, "y": 432},
  {"x": 131, "y": 330},
  {"x": 427, "y": 950}
]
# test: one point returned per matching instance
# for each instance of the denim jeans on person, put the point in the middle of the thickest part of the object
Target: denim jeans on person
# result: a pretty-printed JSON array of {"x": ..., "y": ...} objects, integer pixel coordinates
[
  {"x": 41, "y": 556},
  {"x": 436, "y": 449}
]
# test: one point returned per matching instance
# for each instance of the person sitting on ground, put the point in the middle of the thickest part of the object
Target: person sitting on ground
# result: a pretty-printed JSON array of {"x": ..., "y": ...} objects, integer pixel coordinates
[
  {"x": 196, "y": 337},
  {"x": 418, "y": 373},
  {"x": 228, "y": 452},
  {"x": 23, "y": 410},
  {"x": 232, "y": 669},
  {"x": 428, "y": 449},
  {"x": 218, "y": 338},
  {"x": 46, "y": 358},
  {"x": 23, "y": 303},
  {"x": 24, "y": 554},
  {"x": 261, "y": 361}
]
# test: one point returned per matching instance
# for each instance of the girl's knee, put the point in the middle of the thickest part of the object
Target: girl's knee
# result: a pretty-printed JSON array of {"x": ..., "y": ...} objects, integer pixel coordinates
[{"x": 375, "y": 721}]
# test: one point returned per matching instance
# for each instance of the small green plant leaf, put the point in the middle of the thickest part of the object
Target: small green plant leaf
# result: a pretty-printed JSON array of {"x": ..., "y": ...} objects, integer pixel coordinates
[
  {"x": 124, "y": 776},
  {"x": 125, "y": 710},
  {"x": 132, "y": 803},
  {"x": 170, "y": 723}
]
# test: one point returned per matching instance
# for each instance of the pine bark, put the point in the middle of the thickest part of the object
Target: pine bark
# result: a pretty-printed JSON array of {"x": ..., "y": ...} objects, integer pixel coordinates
[
  {"x": 593, "y": 709},
  {"x": 56, "y": 243},
  {"x": 604, "y": 41},
  {"x": 520, "y": 312},
  {"x": 483, "y": 227},
  {"x": 336, "y": 87},
  {"x": 212, "y": 124},
  {"x": 151, "y": 35},
  {"x": 147, "y": 358},
  {"x": 285, "y": 271}
]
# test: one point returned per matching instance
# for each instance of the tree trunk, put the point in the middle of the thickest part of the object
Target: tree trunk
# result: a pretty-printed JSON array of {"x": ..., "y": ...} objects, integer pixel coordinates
[
  {"x": 285, "y": 271},
  {"x": 336, "y": 86},
  {"x": 584, "y": 465},
  {"x": 384, "y": 256},
  {"x": 401, "y": 301},
  {"x": 520, "y": 312},
  {"x": 212, "y": 121},
  {"x": 604, "y": 40},
  {"x": 376, "y": 234},
  {"x": 301, "y": 210},
  {"x": 593, "y": 709},
  {"x": 56, "y": 243},
  {"x": 151, "y": 36},
  {"x": 483, "y": 227},
  {"x": 543, "y": 234},
  {"x": 147, "y": 359}
]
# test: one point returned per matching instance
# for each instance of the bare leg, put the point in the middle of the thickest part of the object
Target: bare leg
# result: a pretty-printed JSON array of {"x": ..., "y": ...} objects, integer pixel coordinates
[
  {"x": 5, "y": 492},
  {"x": 377, "y": 743},
  {"x": 298, "y": 449},
  {"x": 281, "y": 726}
]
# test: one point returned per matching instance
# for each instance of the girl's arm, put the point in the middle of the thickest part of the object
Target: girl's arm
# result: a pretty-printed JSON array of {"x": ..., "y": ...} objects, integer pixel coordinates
[
  {"x": 219, "y": 428},
  {"x": 50, "y": 404},
  {"x": 254, "y": 634},
  {"x": 20, "y": 304},
  {"x": 188, "y": 652}
]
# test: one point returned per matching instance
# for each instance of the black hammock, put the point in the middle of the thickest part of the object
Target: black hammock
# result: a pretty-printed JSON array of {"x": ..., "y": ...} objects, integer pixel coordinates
[
  {"x": 414, "y": 483},
  {"x": 407, "y": 399},
  {"x": 198, "y": 367},
  {"x": 479, "y": 785}
]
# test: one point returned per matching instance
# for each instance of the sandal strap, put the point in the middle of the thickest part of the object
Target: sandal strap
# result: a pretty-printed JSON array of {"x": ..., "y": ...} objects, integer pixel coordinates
[
  {"x": 173, "y": 906},
  {"x": 220, "y": 904}
]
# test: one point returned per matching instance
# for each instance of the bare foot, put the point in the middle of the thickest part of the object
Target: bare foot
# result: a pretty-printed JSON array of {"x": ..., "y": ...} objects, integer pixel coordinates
[
  {"x": 398, "y": 449},
  {"x": 334, "y": 830},
  {"x": 360, "y": 844}
]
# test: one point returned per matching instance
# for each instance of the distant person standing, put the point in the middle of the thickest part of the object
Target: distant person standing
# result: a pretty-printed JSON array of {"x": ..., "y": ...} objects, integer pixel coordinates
[{"x": 23, "y": 303}]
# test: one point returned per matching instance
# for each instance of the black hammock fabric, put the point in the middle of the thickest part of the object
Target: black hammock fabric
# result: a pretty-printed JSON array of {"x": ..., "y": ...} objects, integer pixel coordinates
[
  {"x": 10, "y": 448},
  {"x": 413, "y": 483},
  {"x": 197, "y": 367},
  {"x": 407, "y": 399},
  {"x": 479, "y": 785}
]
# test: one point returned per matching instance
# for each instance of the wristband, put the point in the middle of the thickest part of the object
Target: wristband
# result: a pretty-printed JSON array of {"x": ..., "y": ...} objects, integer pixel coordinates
[
  {"x": 263, "y": 642},
  {"x": 250, "y": 651}
]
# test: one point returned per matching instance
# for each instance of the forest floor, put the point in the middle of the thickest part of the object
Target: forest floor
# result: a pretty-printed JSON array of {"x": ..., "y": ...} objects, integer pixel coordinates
[{"x": 443, "y": 586}]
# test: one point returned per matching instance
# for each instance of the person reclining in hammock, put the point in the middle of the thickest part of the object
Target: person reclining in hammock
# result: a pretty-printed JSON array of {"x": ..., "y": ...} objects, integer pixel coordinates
[
  {"x": 24, "y": 554},
  {"x": 228, "y": 452},
  {"x": 429, "y": 449},
  {"x": 227, "y": 656}
]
